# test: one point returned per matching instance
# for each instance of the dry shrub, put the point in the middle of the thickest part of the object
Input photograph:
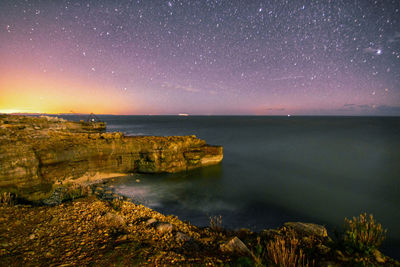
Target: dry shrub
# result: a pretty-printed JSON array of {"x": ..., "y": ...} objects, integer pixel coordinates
[
  {"x": 7, "y": 199},
  {"x": 363, "y": 234},
  {"x": 74, "y": 191},
  {"x": 286, "y": 253},
  {"x": 216, "y": 223}
]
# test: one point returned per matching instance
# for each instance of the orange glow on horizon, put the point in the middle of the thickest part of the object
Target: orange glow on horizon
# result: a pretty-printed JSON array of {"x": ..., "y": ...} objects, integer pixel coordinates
[{"x": 37, "y": 93}]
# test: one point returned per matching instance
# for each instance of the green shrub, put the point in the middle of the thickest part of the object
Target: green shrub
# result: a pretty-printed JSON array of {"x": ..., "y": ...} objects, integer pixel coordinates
[{"x": 362, "y": 234}]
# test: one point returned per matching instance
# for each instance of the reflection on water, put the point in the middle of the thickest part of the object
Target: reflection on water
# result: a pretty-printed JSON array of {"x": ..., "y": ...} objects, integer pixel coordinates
[{"x": 277, "y": 169}]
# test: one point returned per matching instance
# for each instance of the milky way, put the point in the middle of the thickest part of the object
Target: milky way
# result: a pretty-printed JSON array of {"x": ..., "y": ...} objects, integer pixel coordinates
[{"x": 208, "y": 57}]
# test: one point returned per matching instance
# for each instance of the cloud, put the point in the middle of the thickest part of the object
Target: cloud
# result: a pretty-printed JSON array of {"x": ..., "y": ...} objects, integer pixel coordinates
[
  {"x": 287, "y": 78},
  {"x": 388, "y": 109},
  {"x": 348, "y": 107},
  {"x": 373, "y": 109},
  {"x": 275, "y": 109},
  {"x": 364, "y": 106},
  {"x": 189, "y": 88}
]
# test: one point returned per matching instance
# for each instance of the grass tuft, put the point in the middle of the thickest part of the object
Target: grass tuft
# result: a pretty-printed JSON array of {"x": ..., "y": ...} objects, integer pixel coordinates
[{"x": 286, "y": 253}]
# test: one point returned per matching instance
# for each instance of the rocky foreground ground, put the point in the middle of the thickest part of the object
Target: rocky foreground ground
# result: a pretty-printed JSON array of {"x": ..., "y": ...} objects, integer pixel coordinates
[{"x": 94, "y": 232}]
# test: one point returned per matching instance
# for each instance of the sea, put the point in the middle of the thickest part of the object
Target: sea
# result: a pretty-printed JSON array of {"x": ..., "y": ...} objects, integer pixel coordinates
[{"x": 275, "y": 170}]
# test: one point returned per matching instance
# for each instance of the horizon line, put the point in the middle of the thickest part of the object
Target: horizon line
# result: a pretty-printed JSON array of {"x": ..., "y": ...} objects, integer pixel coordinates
[{"x": 204, "y": 115}]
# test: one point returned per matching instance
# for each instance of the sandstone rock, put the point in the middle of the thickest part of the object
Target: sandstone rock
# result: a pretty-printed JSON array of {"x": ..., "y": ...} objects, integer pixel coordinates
[
  {"x": 34, "y": 162},
  {"x": 307, "y": 229},
  {"x": 164, "y": 228},
  {"x": 235, "y": 246}
]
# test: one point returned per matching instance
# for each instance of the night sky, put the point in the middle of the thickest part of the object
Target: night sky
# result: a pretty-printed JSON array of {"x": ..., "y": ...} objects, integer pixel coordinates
[{"x": 201, "y": 57}]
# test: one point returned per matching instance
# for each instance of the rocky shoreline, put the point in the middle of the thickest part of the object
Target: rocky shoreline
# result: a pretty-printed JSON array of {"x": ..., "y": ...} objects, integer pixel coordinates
[
  {"x": 38, "y": 155},
  {"x": 54, "y": 162}
]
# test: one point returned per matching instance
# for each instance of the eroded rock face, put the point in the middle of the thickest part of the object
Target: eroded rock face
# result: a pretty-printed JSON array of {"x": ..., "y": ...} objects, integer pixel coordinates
[{"x": 37, "y": 154}]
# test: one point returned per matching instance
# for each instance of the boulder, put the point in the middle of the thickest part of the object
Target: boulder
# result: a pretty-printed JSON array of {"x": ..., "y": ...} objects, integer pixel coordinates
[
  {"x": 235, "y": 246},
  {"x": 307, "y": 229}
]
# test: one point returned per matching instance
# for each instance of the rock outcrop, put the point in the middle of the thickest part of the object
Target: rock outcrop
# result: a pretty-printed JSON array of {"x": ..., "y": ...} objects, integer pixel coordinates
[{"x": 37, "y": 154}]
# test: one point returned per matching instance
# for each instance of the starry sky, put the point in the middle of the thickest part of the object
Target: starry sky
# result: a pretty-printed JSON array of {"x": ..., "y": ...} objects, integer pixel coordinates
[{"x": 209, "y": 57}]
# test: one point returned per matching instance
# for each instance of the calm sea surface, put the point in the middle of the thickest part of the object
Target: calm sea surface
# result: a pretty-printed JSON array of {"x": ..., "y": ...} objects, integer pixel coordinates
[{"x": 277, "y": 169}]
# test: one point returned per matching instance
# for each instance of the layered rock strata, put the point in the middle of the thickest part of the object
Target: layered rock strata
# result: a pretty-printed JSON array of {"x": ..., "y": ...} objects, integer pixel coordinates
[{"x": 37, "y": 154}]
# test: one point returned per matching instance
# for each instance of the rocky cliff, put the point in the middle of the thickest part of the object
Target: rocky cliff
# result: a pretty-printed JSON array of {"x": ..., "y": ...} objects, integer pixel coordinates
[{"x": 37, "y": 154}]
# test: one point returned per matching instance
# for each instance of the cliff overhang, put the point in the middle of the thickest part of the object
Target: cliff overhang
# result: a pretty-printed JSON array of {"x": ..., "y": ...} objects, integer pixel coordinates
[{"x": 38, "y": 154}]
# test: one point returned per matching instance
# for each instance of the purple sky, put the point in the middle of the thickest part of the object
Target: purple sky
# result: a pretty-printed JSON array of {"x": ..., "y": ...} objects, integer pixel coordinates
[{"x": 201, "y": 57}]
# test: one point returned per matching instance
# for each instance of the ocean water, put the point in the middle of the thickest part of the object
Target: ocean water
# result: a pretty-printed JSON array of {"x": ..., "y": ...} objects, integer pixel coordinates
[{"x": 277, "y": 169}]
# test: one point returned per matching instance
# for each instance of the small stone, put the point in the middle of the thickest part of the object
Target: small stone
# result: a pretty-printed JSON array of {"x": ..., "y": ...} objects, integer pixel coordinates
[
  {"x": 181, "y": 237},
  {"x": 151, "y": 221},
  {"x": 115, "y": 219},
  {"x": 235, "y": 246},
  {"x": 164, "y": 228},
  {"x": 121, "y": 239}
]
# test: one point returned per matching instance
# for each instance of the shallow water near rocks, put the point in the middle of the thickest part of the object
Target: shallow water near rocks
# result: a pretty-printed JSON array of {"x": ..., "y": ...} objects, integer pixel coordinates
[{"x": 277, "y": 169}]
